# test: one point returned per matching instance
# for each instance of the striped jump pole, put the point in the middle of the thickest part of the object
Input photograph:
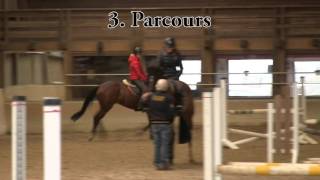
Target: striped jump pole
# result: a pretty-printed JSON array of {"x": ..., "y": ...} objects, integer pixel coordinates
[
  {"x": 18, "y": 137},
  {"x": 271, "y": 169},
  {"x": 247, "y": 111},
  {"x": 269, "y": 164},
  {"x": 52, "y": 138}
]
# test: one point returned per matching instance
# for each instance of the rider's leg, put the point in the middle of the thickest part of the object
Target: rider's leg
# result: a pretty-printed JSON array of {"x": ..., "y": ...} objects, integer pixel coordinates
[
  {"x": 177, "y": 94},
  {"x": 143, "y": 88}
]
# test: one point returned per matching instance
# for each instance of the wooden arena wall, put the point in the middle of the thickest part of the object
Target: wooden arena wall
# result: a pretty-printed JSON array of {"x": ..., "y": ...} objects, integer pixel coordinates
[{"x": 274, "y": 30}]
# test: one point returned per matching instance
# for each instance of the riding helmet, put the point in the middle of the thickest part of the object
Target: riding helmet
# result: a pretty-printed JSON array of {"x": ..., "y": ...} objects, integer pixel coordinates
[
  {"x": 137, "y": 50},
  {"x": 170, "y": 42}
]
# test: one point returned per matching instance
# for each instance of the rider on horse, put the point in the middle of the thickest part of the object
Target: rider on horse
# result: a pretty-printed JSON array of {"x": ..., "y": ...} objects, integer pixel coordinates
[
  {"x": 137, "y": 75},
  {"x": 170, "y": 61},
  {"x": 170, "y": 64}
]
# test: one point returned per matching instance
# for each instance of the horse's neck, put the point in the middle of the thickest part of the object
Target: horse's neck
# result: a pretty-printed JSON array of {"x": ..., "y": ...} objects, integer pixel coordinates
[{"x": 173, "y": 86}]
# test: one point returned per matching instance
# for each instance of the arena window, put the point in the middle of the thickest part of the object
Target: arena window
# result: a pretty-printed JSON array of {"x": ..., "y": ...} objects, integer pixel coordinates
[
  {"x": 191, "y": 73},
  {"x": 249, "y": 70},
  {"x": 312, "y": 80}
]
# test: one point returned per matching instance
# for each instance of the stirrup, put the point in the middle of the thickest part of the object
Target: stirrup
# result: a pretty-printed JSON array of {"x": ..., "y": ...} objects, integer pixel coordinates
[{"x": 139, "y": 109}]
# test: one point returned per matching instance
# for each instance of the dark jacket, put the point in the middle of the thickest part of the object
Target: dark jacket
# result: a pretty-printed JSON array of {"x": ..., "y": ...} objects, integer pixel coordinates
[
  {"x": 168, "y": 63},
  {"x": 160, "y": 108}
]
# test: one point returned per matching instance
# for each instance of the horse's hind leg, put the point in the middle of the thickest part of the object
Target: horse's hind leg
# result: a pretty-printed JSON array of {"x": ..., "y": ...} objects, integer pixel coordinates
[{"x": 96, "y": 120}]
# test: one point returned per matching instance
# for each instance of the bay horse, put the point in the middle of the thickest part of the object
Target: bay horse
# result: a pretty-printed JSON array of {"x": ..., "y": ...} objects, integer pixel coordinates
[{"x": 114, "y": 92}]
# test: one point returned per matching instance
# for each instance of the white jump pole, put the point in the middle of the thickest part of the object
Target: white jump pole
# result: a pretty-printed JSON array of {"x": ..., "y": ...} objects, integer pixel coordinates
[
  {"x": 250, "y": 133},
  {"x": 270, "y": 134},
  {"x": 207, "y": 135},
  {"x": 304, "y": 138},
  {"x": 223, "y": 119},
  {"x": 303, "y": 99},
  {"x": 217, "y": 135},
  {"x": 18, "y": 137},
  {"x": 52, "y": 138},
  {"x": 223, "y": 100},
  {"x": 295, "y": 124}
]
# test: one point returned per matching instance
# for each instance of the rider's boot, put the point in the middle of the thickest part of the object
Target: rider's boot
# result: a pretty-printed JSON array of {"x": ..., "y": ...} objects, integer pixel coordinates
[{"x": 139, "y": 105}]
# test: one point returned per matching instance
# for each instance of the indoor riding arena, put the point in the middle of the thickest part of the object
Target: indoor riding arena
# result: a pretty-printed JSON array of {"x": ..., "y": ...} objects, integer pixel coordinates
[{"x": 70, "y": 110}]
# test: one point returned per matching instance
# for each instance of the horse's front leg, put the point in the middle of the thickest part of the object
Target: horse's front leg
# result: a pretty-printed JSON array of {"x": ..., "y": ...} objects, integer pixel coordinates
[{"x": 191, "y": 159}]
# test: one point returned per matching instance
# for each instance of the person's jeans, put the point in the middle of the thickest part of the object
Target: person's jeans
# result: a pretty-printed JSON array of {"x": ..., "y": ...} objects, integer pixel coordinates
[{"x": 162, "y": 136}]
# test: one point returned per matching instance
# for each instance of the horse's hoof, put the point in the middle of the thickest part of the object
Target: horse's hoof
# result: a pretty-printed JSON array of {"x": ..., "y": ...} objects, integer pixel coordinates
[
  {"x": 90, "y": 139},
  {"x": 74, "y": 119},
  {"x": 140, "y": 133}
]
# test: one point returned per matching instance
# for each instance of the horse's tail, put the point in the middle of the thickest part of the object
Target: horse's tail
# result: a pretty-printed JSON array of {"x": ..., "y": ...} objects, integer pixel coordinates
[{"x": 85, "y": 104}]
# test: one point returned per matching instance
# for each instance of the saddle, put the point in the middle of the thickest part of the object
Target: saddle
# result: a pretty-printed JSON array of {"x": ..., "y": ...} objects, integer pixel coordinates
[
  {"x": 131, "y": 87},
  {"x": 128, "y": 83},
  {"x": 172, "y": 88}
]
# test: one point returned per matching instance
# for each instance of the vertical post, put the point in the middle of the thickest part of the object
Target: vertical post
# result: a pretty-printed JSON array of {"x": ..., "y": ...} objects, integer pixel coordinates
[
  {"x": 223, "y": 117},
  {"x": 207, "y": 135},
  {"x": 2, "y": 75},
  {"x": 270, "y": 133},
  {"x": 5, "y": 26},
  {"x": 279, "y": 132},
  {"x": 303, "y": 99},
  {"x": 208, "y": 55},
  {"x": 217, "y": 141},
  {"x": 67, "y": 55},
  {"x": 52, "y": 138},
  {"x": 224, "y": 123},
  {"x": 295, "y": 124},
  {"x": 67, "y": 68},
  {"x": 18, "y": 137},
  {"x": 3, "y": 123},
  {"x": 280, "y": 54}
]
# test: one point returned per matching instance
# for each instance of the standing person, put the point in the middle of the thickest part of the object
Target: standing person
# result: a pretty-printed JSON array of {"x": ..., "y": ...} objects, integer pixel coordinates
[
  {"x": 170, "y": 61},
  {"x": 161, "y": 112}
]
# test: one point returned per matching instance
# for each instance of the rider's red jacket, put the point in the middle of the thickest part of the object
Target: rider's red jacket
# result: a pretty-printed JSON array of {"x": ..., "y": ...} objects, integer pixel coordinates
[{"x": 135, "y": 68}]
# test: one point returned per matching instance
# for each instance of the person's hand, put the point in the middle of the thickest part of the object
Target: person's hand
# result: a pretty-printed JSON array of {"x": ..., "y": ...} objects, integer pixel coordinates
[
  {"x": 145, "y": 109},
  {"x": 145, "y": 96}
]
